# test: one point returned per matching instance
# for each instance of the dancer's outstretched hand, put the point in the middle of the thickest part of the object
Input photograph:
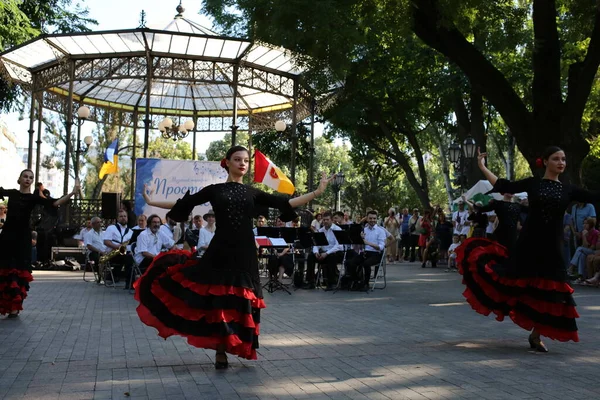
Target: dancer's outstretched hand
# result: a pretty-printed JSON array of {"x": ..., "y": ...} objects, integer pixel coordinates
[
  {"x": 481, "y": 158},
  {"x": 324, "y": 182}
]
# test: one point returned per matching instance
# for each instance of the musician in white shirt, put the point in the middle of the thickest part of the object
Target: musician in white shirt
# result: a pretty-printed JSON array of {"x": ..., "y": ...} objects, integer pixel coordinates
[
  {"x": 151, "y": 242},
  {"x": 115, "y": 237},
  {"x": 374, "y": 238},
  {"x": 328, "y": 256},
  {"x": 94, "y": 241}
]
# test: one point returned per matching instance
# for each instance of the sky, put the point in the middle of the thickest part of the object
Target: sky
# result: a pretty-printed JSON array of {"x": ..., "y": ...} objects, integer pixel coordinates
[{"x": 125, "y": 14}]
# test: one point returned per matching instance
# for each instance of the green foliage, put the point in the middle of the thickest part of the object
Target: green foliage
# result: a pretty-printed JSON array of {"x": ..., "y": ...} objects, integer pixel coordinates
[{"x": 22, "y": 20}]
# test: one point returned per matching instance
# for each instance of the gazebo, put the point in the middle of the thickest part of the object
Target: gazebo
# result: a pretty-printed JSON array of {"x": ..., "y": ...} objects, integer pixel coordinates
[{"x": 184, "y": 72}]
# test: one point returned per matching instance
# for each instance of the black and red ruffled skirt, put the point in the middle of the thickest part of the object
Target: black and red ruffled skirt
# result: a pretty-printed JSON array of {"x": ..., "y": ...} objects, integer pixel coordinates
[
  {"x": 544, "y": 304},
  {"x": 207, "y": 314},
  {"x": 14, "y": 285}
]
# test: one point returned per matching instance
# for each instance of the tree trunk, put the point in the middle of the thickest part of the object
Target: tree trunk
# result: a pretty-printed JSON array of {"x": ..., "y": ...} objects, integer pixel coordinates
[
  {"x": 445, "y": 169},
  {"x": 510, "y": 156},
  {"x": 98, "y": 188}
]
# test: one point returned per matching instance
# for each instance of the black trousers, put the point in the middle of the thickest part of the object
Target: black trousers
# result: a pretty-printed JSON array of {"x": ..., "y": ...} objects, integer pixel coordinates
[
  {"x": 414, "y": 243},
  {"x": 328, "y": 266},
  {"x": 365, "y": 260},
  {"x": 286, "y": 261},
  {"x": 405, "y": 243}
]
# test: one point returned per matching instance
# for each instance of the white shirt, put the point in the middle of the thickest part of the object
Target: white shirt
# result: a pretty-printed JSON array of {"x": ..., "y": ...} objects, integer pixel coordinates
[
  {"x": 460, "y": 228},
  {"x": 316, "y": 225},
  {"x": 452, "y": 249},
  {"x": 96, "y": 239},
  {"x": 375, "y": 235},
  {"x": 205, "y": 237},
  {"x": 416, "y": 222},
  {"x": 112, "y": 233},
  {"x": 333, "y": 246},
  {"x": 152, "y": 243},
  {"x": 82, "y": 234}
]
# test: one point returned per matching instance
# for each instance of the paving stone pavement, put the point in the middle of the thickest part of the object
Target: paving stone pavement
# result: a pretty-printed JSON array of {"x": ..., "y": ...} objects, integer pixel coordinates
[{"x": 417, "y": 339}]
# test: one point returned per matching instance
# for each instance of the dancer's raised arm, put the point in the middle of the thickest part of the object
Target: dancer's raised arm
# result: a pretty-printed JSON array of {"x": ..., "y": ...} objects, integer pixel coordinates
[
  {"x": 160, "y": 204},
  {"x": 486, "y": 172},
  {"x": 301, "y": 200}
]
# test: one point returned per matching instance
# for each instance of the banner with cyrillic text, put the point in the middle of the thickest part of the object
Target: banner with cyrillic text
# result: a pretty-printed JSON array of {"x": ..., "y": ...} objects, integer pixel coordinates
[{"x": 168, "y": 180}]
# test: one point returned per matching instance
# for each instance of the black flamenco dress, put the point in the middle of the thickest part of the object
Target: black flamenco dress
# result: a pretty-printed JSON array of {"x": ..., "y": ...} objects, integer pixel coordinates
[
  {"x": 15, "y": 249},
  {"x": 215, "y": 300},
  {"x": 508, "y": 214},
  {"x": 530, "y": 286}
]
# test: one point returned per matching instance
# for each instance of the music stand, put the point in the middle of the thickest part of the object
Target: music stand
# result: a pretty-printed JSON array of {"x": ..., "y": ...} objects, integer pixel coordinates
[{"x": 268, "y": 231}]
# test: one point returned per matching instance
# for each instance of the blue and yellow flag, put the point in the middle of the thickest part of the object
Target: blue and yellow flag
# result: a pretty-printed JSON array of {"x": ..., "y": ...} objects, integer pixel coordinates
[{"x": 111, "y": 160}]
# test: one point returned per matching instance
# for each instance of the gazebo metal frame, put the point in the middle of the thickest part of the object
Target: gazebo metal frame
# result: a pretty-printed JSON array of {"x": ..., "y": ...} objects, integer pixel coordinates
[{"x": 223, "y": 83}]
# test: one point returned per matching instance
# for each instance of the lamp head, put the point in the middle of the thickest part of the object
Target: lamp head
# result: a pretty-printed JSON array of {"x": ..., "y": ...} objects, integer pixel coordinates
[
  {"x": 469, "y": 147},
  {"x": 83, "y": 112},
  {"x": 189, "y": 124},
  {"x": 88, "y": 140},
  {"x": 454, "y": 152},
  {"x": 280, "y": 126}
]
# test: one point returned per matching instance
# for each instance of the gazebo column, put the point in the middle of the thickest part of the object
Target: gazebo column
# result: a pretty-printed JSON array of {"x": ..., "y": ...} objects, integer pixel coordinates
[
  {"x": 69, "y": 124},
  {"x": 234, "y": 126},
  {"x": 31, "y": 132},
  {"x": 194, "y": 152},
  {"x": 147, "y": 121},
  {"x": 293, "y": 132},
  {"x": 311, "y": 158},
  {"x": 38, "y": 149},
  {"x": 250, "y": 171},
  {"x": 133, "y": 153}
]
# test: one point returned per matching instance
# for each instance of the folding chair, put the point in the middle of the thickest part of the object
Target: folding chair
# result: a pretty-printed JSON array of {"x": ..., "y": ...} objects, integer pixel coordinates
[
  {"x": 136, "y": 273},
  {"x": 380, "y": 273},
  {"x": 93, "y": 269}
]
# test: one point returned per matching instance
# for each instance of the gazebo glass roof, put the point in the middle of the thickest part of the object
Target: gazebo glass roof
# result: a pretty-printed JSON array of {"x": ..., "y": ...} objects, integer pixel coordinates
[{"x": 192, "y": 70}]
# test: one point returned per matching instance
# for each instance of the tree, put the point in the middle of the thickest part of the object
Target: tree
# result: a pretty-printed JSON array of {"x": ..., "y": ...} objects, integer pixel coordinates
[{"x": 534, "y": 61}]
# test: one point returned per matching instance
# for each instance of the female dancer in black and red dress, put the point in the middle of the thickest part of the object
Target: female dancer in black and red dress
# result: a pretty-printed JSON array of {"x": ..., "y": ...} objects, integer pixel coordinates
[
  {"x": 215, "y": 301},
  {"x": 529, "y": 286},
  {"x": 15, "y": 242}
]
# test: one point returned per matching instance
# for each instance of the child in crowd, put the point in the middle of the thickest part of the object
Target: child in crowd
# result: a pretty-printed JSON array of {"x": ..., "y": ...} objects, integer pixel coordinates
[{"x": 452, "y": 254}]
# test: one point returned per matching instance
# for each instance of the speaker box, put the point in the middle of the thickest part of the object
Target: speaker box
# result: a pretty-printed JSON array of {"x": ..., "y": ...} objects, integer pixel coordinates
[{"x": 111, "y": 202}]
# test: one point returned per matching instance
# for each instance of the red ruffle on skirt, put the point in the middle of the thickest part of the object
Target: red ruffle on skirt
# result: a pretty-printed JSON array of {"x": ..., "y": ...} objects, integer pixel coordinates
[
  {"x": 14, "y": 285},
  {"x": 512, "y": 294},
  {"x": 178, "y": 307}
]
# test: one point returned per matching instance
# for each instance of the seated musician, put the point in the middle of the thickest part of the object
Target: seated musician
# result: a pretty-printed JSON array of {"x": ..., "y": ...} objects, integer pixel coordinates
[
  {"x": 338, "y": 218},
  {"x": 192, "y": 234},
  {"x": 115, "y": 237},
  {"x": 374, "y": 238},
  {"x": 94, "y": 243},
  {"x": 327, "y": 256},
  {"x": 207, "y": 232},
  {"x": 282, "y": 261},
  {"x": 151, "y": 242},
  {"x": 260, "y": 222}
]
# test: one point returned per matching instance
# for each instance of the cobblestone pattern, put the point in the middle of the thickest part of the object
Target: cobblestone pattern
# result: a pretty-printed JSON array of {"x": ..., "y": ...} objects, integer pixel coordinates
[{"x": 417, "y": 339}]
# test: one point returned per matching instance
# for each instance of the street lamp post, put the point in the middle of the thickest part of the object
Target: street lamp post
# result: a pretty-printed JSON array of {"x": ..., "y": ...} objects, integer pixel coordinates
[
  {"x": 83, "y": 114},
  {"x": 280, "y": 127},
  {"x": 336, "y": 185},
  {"x": 460, "y": 155}
]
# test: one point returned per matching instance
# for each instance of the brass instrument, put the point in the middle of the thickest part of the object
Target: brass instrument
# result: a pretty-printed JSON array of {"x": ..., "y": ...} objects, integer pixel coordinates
[{"x": 121, "y": 251}]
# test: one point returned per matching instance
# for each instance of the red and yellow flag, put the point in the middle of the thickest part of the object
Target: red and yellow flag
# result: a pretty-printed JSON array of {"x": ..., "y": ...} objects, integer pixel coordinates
[{"x": 269, "y": 174}]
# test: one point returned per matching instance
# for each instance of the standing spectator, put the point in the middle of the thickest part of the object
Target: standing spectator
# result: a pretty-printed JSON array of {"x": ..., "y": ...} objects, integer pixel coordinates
[
  {"x": 424, "y": 232},
  {"x": 404, "y": 234},
  {"x": 347, "y": 218},
  {"x": 580, "y": 212},
  {"x": 460, "y": 219},
  {"x": 206, "y": 233},
  {"x": 391, "y": 225},
  {"x": 315, "y": 225},
  {"x": 414, "y": 225},
  {"x": 443, "y": 230}
]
